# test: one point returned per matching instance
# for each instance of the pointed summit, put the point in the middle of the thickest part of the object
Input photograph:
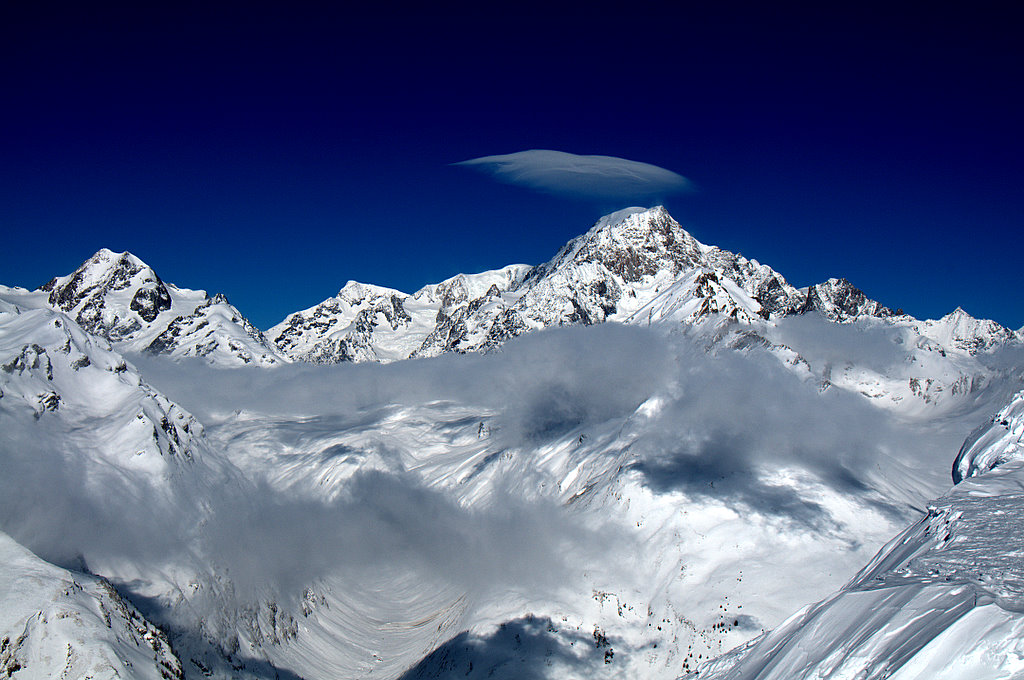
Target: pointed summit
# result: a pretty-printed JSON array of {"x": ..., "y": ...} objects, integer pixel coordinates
[
  {"x": 629, "y": 258},
  {"x": 119, "y": 297},
  {"x": 630, "y": 243},
  {"x": 839, "y": 300},
  {"x": 109, "y": 278},
  {"x": 964, "y": 332}
]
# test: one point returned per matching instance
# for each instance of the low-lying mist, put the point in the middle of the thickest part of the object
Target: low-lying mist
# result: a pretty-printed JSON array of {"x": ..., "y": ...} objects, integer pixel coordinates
[{"x": 724, "y": 422}]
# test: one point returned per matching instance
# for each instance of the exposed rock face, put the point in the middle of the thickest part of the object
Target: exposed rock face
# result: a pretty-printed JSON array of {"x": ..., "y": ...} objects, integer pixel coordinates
[
  {"x": 149, "y": 302},
  {"x": 118, "y": 297},
  {"x": 839, "y": 300}
]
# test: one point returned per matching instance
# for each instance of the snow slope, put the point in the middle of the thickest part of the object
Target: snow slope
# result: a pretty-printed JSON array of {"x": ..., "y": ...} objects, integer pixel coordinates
[
  {"x": 998, "y": 441},
  {"x": 55, "y": 623},
  {"x": 664, "y": 510},
  {"x": 943, "y": 599}
]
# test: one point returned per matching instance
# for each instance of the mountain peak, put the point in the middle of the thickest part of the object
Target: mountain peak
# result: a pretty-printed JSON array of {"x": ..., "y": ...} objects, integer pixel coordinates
[
  {"x": 355, "y": 292},
  {"x": 839, "y": 300},
  {"x": 105, "y": 267},
  {"x": 961, "y": 330},
  {"x": 636, "y": 212},
  {"x": 631, "y": 244},
  {"x": 634, "y": 226},
  {"x": 106, "y": 273},
  {"x": 119, "y": 297}
]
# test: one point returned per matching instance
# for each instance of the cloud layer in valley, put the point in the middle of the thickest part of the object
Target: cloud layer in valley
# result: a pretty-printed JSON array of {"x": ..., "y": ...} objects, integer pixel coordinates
[
  {"x": 578, "y": 176},
  {"x": 723, "y": 427}
]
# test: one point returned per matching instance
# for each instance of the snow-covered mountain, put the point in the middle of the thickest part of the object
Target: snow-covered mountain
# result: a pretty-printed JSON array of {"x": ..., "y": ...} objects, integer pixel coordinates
[
  {"x": 636, "y": 266},
  {"x": 633, "y": 266},
  {"x": 370, "y": 323},
  {"x": 625, "y": 499},
  {"x": 76, "y": 384},
  {"x": 639, "y": 266},
  {"x": 626, "y": 262},
  {"x": 995, "y": 443},
  {"x": 119, "y": 297}
]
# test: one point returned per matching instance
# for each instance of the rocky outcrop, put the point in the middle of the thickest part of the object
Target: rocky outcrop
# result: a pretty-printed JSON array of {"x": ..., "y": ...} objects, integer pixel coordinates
[{"x": 840, "y": 301}]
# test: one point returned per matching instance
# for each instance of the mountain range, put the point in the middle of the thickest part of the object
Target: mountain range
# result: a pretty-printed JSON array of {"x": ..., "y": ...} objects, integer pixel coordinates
[{"x": 624, "y": 462}]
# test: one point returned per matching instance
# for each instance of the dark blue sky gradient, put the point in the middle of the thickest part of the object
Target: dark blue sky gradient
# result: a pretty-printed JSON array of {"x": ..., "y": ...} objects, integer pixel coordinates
[{"x": 272, "y": 154}]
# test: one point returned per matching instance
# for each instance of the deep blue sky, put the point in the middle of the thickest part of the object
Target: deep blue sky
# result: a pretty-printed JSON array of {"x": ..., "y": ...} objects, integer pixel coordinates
[{"x": 273, "y": 153}]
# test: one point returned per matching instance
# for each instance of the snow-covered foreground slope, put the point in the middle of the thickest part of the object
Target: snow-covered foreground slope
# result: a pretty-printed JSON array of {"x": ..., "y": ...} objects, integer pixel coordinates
[
  {"x": 941, "y": 600},
  {"x": 59, "y": 624}
]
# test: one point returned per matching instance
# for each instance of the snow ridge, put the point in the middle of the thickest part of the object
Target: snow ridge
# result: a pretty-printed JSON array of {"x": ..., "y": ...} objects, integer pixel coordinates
[
  {"x": 995, "y": 443},
  {"x": 636, "y": 266}
]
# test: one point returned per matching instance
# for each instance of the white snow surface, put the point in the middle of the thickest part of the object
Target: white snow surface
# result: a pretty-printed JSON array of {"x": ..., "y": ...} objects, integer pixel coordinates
[
  {"x": 625, "y": 500},
  {"x": 55, "y": 623},
  {"x": 994, "y": 443},
  {"x": 652, "y": 521},
  {"x": 944, "y": 599}
]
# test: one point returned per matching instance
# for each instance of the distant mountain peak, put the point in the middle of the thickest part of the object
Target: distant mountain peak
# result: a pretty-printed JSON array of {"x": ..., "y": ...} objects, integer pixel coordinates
[
  {"x": 119, "y": 297},
  {"x": 105, "y": 268},
  {"x": 355, "y": 292},
  {"x": 631, "y": 244},
  {"x": 636, "y": 265},
  {"x": 960, "y": 330},
  {"x": 839, "y": 300}
]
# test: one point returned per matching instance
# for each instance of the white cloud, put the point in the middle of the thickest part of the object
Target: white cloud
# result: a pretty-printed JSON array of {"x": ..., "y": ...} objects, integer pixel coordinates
[{"x": 558, "y": 172}]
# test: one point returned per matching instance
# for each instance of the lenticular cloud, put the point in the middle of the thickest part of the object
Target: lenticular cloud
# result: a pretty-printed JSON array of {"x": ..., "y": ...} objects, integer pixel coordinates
[{"x": 558, "y": 172}]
